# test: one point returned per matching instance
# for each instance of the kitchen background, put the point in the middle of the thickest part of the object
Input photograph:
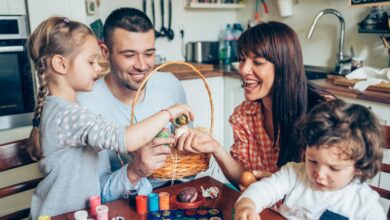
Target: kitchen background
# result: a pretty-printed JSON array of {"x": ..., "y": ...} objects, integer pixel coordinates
[{"x": 205, "y": 24}]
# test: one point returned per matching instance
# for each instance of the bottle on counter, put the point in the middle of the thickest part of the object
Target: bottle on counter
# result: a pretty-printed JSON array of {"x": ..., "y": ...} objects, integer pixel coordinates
[
  {"x": 237, "y": 31},
  {"x": 225, "y": 49}
]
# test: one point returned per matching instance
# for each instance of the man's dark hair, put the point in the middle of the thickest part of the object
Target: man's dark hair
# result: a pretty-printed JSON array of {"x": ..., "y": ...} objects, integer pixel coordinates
[{"x": 130, "y": 19}]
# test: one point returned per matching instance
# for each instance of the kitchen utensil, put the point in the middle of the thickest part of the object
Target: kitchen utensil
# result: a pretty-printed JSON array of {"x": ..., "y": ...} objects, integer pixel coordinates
[
  {"x": 144, "y": 6},
  {"x": 170, "y": 34},
  {"x": 156, "y": 33},
  {"x": 202, "y": 51},
  {"x": 163, "y": 30},
  {"x": 386, "y": 44}
]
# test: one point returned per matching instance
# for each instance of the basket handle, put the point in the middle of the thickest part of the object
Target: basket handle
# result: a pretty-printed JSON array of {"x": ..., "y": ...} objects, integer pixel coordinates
[{"x": 181, "y": 63}]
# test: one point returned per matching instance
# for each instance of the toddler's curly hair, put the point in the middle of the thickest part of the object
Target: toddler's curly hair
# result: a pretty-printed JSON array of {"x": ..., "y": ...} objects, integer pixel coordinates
[{"x": 351, "y": 127}]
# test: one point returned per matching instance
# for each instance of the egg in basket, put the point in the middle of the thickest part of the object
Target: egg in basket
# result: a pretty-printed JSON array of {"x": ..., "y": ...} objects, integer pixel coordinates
[{"x": 180, "y": 164}]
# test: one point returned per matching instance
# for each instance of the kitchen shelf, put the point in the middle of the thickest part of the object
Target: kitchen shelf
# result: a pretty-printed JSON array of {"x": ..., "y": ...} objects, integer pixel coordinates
[{"x": 214, "y": 5}]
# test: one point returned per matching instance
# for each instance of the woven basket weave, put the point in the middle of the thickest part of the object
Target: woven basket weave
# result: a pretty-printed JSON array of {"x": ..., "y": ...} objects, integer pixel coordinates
[{"x": 180, "y": 164}]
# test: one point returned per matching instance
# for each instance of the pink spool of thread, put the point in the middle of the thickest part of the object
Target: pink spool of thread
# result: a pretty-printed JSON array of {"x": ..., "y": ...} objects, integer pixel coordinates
[
  {"x": 102, "y": 212},
  {"x": 94, "y": 201}
]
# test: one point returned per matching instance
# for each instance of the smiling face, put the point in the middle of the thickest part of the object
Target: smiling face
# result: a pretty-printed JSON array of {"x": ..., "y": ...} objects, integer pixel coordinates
[
  {"x": 258, "y": 75},
  {"x": 84, "y": 67},
  {"x": 131, "y": 57},
  {"x": 328, "y": 169}
]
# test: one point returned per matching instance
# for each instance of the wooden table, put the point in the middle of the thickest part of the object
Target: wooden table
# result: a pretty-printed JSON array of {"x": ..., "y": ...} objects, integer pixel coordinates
[{"x": 225, "y": 202}]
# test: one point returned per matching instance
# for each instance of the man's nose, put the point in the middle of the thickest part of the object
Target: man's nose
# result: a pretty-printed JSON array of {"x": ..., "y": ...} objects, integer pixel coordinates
[{"x": 141, "y": 63}]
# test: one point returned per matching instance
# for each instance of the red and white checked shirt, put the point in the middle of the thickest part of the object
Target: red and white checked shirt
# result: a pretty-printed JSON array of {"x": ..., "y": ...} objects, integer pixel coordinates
[{"x": 252, "y": 147}]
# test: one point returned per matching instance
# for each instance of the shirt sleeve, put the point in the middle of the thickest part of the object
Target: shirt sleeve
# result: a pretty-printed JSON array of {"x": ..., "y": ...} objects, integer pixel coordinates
[
  {"x": 77, "y": 126},
  {"x": 114, "y": 185},
  {"x": 240, "y": 148},
  {"x": 268, "y": 191}
]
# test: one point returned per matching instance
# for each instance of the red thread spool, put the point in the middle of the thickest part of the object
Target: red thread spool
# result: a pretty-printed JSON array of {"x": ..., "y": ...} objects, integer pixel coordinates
[
  {"x": 94, "y": 201},
  {"x": 141, "y": 202},
  {"x": 164, "y": 200}
]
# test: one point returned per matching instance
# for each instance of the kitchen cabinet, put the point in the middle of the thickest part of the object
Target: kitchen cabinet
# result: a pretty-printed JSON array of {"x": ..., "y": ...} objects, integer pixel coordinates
[
  {"x": 226, "y": 94},
  {"x": 12, "y": 7},
  {"x": 40, "y": 10},
  {"x": 381, "y": 110}
]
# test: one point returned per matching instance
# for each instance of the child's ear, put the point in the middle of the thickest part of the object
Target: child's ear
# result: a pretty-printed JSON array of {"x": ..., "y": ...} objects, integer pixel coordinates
[
  {"x": 60, "y": 64},
  {"x": 105, "y": 51}
]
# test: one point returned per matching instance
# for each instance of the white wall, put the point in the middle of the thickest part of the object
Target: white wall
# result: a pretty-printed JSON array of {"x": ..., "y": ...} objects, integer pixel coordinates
[
  {"x": 206, "y": 24},
  {"x": 321, "y": 49},
  {"x": 198, "y": 24}
]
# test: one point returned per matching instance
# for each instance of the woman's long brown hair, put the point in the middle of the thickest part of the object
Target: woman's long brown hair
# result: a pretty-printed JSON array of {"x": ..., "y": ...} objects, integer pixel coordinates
[{"x": 279, "y": 44}]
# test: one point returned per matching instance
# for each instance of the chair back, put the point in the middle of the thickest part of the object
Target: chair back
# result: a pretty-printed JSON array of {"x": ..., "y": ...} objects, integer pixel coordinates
[
  {"x": 385, "y": 169},
  {"x": 13, "y": 155}
]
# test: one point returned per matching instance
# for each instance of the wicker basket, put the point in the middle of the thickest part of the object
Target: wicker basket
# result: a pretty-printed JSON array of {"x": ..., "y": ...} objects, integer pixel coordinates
[{"x": 180, "y": 164}]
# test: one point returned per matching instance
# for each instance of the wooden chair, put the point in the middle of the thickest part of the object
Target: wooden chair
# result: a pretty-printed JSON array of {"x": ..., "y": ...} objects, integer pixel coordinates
[
  {"x": 385, "y": 168},
  {"x": 13, "y": 155}
]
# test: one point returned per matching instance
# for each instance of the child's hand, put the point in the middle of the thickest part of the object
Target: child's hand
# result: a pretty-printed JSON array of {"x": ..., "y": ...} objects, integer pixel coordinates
[
  {"x": 245, "y": 210},
  {"x": 197, "y": 142},
  {"x": 179, "y": 110}
]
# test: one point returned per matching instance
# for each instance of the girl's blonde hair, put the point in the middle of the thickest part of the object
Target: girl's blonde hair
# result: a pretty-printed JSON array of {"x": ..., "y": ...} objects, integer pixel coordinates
[
  {"x": 54, "y": 36},
  {"x": 351, "y": 127}
]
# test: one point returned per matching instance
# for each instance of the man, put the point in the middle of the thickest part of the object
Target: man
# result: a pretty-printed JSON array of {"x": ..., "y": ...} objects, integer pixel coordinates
[{"x": 129, "y": 46}]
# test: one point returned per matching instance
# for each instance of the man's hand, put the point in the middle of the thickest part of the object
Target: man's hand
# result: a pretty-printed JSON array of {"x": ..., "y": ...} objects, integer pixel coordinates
[{"x": 148, "y": 158}]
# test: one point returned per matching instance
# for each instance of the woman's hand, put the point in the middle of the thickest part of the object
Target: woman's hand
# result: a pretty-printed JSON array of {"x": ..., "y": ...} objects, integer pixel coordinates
[
  {"x": 197, "y": 142},
  {"x": 259, "y": 175},
  {"x": 245, "y": 209}
]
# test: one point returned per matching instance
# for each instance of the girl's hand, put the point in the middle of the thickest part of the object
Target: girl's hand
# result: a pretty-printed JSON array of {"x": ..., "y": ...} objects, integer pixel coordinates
[
  {"x": 245, "y": 210},
  {"x": 179, "y": 110},
  {"x": 197, "y": 142}
]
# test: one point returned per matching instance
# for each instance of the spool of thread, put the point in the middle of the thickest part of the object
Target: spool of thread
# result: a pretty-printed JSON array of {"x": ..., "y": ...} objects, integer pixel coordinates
[
  {"x": 102, "y": 212},
  {"x": 94, "y": 201},
  {"x": 141, "y": 202},
  {"x": 153, "y": 202},
  {"x": 131, "y": 197},
  {"x": 164, "y": 200},
  {"x": 81, "y": 215}
]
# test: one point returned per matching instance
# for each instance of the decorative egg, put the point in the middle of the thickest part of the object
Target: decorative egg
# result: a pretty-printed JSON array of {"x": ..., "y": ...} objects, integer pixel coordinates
[
  {"x": 181, "y": 120},
  {"x": 247, "y": 178},
  {"x": 164, "y": 133},
  {"x": 187, "y": 195}
]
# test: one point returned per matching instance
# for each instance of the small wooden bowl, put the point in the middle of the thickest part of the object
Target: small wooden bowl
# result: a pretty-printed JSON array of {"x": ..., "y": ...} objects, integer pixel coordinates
[{"x": 188, "y": 205}]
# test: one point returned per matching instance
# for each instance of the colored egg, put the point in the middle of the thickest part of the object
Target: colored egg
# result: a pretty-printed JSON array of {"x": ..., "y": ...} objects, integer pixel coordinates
[{"x": 247, "y": 178}]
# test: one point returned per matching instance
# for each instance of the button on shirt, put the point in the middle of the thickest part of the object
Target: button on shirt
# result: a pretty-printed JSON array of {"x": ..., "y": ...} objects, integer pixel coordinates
[{"x": 252, "y": 147}]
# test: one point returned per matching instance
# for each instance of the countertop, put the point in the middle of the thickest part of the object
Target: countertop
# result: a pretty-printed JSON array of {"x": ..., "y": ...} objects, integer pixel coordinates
[
  {"x": 374, "y": 96},
  {"x": 219, "y": 70}
]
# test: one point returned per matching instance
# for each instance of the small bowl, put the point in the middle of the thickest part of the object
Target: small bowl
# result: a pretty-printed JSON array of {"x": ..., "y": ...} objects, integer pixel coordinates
[
  {"x": 188, "y": 205},
  {"x": 235, "y": 65}
]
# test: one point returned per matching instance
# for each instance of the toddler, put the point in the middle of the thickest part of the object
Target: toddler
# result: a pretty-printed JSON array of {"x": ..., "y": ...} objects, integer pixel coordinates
[{"x": 343, "y": 149}]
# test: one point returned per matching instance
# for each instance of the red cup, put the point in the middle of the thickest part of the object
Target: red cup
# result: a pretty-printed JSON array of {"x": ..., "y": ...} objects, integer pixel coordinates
[{"x": 94, "y": 201}]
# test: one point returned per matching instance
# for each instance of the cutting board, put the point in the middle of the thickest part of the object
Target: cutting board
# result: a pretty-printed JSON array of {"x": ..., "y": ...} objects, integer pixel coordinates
[
  {"x": 177, "y": 68},
  {"x": 342, "y": 81}
]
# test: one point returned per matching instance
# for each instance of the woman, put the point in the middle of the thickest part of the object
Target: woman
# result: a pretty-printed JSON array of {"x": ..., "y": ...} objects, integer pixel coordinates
[{"x": 277, "y": 94}]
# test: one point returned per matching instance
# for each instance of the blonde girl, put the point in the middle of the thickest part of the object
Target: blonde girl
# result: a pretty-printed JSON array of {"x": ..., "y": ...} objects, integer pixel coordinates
[{"x": 67, "y": 137}]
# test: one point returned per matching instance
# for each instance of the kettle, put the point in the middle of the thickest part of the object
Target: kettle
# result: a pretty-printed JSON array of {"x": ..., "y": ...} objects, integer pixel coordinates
[{"x": 202, "y": 52}]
